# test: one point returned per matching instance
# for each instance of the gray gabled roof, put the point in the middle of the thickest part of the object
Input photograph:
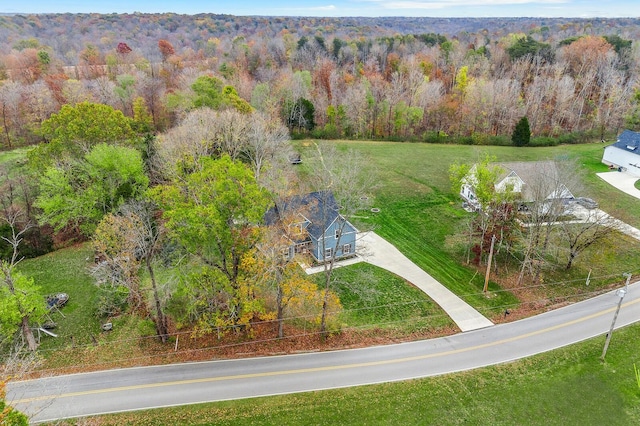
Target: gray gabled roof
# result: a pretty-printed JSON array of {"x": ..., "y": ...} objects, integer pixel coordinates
[
  {"x": 628, "y": 141},
  {"x": 319, "y": 208},
  {"x": 540, "y": 178}
]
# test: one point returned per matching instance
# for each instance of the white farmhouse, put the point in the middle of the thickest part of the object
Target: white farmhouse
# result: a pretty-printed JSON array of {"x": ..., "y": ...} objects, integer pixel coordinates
[
  {"x": 624, "y": 155},
  {"x": 531, "y": 181}
]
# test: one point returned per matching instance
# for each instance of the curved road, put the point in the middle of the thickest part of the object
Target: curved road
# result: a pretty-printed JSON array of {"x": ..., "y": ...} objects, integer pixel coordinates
[{"x": 151, "y": 387}]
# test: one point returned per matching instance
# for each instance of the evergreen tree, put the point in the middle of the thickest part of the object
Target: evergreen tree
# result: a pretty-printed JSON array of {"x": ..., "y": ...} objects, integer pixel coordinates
[{"x": 522, "y": 133}]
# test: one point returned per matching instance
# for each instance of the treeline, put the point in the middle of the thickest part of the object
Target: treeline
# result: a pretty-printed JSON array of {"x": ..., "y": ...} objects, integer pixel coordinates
[
  {"x": 329, "y": 77},
  {"x": 189, "y": 204}
]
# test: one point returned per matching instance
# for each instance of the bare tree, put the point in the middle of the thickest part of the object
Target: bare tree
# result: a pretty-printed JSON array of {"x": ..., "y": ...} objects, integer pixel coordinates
[
  {"x": 205, "y": 132},
  {"x": 22, "y": 301},
  {"x": 116, "y": 262},
  {"x": 10, "y": 95},
  {"x": 580, "y": 235},
  {"x": 355, "y": 105},
  {"x": 193, "y": 138},
  {"x": 548, "y": 187},
  {"x": 124, "y": 241},
  {"x": 267, "y": 143},
  {"x": 338, "y": 176},
  {"x": 613, "y": 96},
  {"x": 148, "y": 235}
]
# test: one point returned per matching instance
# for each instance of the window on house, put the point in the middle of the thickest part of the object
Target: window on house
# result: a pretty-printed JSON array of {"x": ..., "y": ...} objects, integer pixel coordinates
[
  {"x": 285, "y": 253},
  {"x": 338, "y": 233},
  {"x": 346, "y": 249},
  {"x": 328, "y": 253},
  {"x": 297, "y": 229}
]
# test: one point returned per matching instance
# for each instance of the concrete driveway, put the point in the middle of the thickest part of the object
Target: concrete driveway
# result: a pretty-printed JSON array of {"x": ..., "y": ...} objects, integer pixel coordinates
[
  {"x": 377, "y": 251},
  {"x": 604, "y": 218},
  {"x": 623, "y": 181}
]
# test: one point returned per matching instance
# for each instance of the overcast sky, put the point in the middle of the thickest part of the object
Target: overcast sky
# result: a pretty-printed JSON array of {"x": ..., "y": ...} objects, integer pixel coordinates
[{"x": 435, "y": 8}]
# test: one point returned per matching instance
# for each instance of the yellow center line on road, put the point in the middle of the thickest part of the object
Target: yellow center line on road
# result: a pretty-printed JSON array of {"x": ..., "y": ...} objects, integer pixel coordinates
[{"x": 327, "y": 368}]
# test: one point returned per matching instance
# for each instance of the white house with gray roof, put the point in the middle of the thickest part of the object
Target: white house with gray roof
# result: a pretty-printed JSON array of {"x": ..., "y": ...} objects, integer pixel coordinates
[
  {"x": 531, "y": 181},
  {"x": 624, "y": 154}
]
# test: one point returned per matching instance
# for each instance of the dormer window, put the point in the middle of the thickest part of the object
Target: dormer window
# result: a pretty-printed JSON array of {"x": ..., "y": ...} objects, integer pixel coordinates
[{"x": 632, "y": 148}]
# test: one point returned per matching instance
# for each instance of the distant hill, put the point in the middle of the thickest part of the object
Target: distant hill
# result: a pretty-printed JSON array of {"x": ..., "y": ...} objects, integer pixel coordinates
[{"x": 72, "y": 32}]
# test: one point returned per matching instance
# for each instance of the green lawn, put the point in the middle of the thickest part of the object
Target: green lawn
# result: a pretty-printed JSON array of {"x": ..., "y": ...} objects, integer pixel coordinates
[
  {"x": 14, "y": 159},
  {"x": 66, "y": 271},
  {"x": 569, "y": 386},
  {"x": 408, "y": 169},
  {"x": 419, "y": 213},
  {"x": 373, "y": 297}
]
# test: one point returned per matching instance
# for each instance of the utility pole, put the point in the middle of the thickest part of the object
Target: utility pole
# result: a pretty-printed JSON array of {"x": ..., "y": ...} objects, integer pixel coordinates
[
  {"x": 621, "y": 293},
  {"x": 486, "y": 276},
  {"x": 626, "y": 284}
]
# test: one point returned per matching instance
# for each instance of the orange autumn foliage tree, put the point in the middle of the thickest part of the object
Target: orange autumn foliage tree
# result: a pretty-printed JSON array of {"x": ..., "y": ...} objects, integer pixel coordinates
[
  {"x": 586, "y": 53},
  {"x": 284, "y": 286},
  {"x": 8, "y": 415}
]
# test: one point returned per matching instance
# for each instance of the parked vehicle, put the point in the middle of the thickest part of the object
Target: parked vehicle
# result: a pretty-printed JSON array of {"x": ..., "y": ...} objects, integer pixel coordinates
[{"x": 587, "y": 203}]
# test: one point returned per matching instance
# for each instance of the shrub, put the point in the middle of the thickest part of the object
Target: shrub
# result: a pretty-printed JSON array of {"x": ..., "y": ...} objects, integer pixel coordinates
[
  {"x": 543, "y": 141},
  {"x": 522, "y": 133},
  {"x": 112, "y": 300},
  {"x": 146, "y": 328},
  {"x": 435, "y": 137}
]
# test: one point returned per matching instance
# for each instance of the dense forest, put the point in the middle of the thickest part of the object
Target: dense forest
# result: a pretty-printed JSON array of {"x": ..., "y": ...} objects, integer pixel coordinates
[
  {"x": 163, "y": 139},
  {"x": 467, "y": 80}
]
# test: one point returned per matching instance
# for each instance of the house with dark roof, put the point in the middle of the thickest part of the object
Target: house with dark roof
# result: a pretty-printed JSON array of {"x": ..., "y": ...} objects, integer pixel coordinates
[
  {"x": 624, "y": 154},
  {"x": 313, "y": 225},
  {"x": 531, "y": 181}
]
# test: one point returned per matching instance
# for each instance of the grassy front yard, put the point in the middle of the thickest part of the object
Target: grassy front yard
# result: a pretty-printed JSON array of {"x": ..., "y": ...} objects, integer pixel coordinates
[{"x": 419, "y": 214}]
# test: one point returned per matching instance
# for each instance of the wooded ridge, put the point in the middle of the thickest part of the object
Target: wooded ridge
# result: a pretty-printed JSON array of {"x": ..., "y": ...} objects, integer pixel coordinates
[{"x": 463, "y": 80}]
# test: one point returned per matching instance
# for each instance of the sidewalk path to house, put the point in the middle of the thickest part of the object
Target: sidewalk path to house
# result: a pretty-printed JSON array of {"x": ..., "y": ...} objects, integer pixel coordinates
[{"x": 379, "y": 252}]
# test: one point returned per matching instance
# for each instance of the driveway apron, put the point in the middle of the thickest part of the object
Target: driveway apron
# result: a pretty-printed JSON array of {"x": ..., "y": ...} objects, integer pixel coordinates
[{"x": 381, "y": 253}]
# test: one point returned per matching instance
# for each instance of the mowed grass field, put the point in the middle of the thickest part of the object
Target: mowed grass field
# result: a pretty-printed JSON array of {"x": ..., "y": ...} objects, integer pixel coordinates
[
  {"x": 569, "y": 386},
  {"x": 419, "y": 212}
]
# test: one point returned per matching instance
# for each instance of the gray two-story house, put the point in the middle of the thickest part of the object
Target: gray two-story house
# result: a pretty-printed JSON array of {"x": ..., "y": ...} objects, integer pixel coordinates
[{"x": 314, "y": 226}]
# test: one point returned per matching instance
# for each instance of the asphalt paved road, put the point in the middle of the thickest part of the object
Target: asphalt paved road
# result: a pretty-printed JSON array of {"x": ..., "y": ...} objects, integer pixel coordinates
[{"x": 150, "y": 387}]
